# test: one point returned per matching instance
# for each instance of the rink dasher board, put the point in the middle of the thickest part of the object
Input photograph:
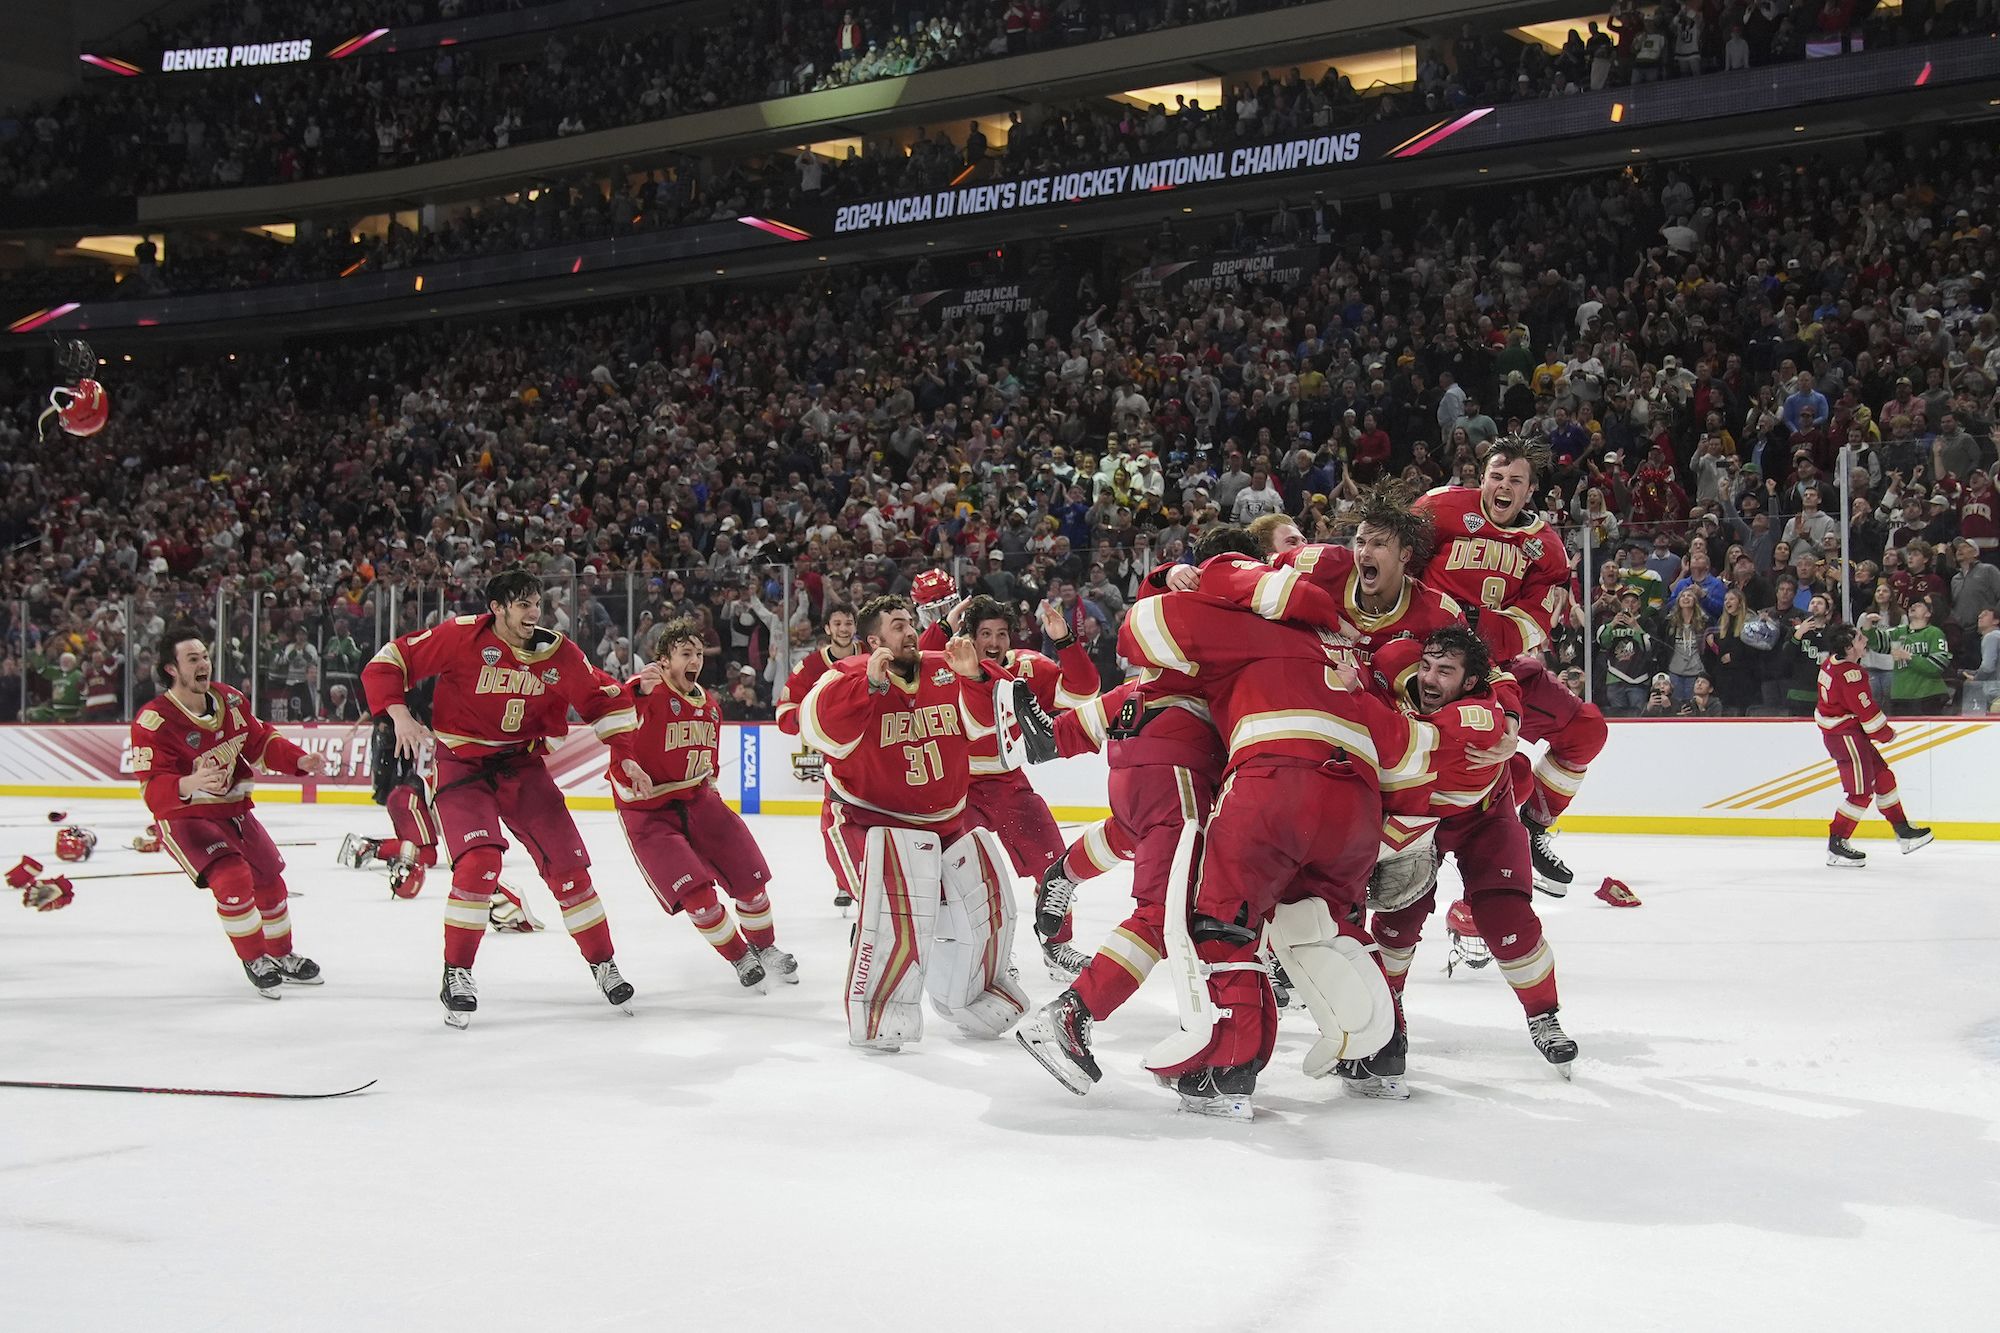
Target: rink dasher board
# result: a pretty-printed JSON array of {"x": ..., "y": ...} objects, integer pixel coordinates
[{"x": 1736, "y": 777}]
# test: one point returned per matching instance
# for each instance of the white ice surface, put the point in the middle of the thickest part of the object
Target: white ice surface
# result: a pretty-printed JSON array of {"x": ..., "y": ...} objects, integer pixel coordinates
[{"x": 1783, "y": 1117}]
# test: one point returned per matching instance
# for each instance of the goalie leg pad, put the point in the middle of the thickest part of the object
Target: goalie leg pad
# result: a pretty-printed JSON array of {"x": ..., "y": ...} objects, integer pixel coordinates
[
  {"x": 1336, "y": 974},
  {"x": 900, "y": 885},
  {"x": 967, "y": 970}
]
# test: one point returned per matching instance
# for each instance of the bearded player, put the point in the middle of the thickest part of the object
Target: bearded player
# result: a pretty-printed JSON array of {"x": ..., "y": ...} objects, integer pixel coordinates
[
  {"x": 193, "y": 751},
  {"x": 840, "y": 645},
  {"x": 1467, "y": 812},
  {"x": 934, "y": 913},
  {"x": 505, "y": 689},
  {"x": 685, "y": 840},
  {"x": 1509, "y": 572}
]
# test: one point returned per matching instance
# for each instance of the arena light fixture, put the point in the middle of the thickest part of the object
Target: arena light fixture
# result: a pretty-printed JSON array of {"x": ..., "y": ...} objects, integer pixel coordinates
[
  {"x": 29, "y": 323},
  {"x": 782, "y": 230},
  {"x": 124, "y": 69}
]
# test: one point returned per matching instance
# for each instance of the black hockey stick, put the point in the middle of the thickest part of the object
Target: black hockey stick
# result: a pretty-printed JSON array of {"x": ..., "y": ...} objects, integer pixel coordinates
[{"x": 187, "y": 1092}]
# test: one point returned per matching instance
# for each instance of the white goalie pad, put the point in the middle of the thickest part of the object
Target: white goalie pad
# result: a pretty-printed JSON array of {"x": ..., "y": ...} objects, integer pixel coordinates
[
  {"x": 1188, "y": 974},
  {"x": 1402, "y": 879},
  {"x": 901, "y": 880},
  {"x": 1341, "y": 985},
  {"x": 973, "y": 946}
]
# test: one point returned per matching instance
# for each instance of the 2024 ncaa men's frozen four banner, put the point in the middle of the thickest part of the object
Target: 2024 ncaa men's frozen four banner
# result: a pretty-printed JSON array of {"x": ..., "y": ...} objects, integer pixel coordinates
[{"x": 1711, "y": 778}]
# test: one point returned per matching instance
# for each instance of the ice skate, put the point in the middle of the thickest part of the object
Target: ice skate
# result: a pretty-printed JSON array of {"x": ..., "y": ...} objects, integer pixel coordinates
[
  {"x": 1844, "y": 854},
  {"x": 777, "y": 963},
  {"x": 1053, "y": 891},
  {"x": 460, "y": 996},
  {"x": 1064, "y": 963},
  {"x": 1221, "y": 1093},
  {"x": 357, "y": 851},
  {"x": 1550, "y": 1039},
  {"x": 1058, "y": 1036},
  {"x": 264, "y": 975},
  {"x": 843, "y": 900},
  {"x": 749, "y": 972},
  {"x": 298, "y": 970},
  {"x": 616, "y": 989},
  {"x": 1038, "y": 729},
  {"x": 1909, "y": 838},
  {"x": 1379, "y": 1075},
  {"x": 1551, "y": 875}
]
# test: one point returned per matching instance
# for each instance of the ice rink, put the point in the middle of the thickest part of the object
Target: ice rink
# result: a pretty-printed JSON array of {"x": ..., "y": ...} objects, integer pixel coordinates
[{"x": 1783, "y": 1118}]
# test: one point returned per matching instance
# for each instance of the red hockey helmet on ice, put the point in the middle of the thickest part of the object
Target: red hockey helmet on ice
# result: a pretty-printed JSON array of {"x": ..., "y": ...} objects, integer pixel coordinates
[{"x": 75, "y": 843}]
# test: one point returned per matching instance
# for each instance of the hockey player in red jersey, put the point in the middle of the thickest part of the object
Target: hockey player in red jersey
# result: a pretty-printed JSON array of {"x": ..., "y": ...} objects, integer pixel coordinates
[
  {"x": 685, "y": 840},
  {"x": 1001, "y": 798},
  {"x": 1302, "y": 741},
  {"x": 505, "y": 688},
  {"x": 1510, "y": 573},
  {"x": 840, "y": 645},
  {"x": 1851, "y": 725},
  {"x": 934, "y": 911},
  {"x": 194, "y": 751},
  {"x": 1466, "y": 811}
]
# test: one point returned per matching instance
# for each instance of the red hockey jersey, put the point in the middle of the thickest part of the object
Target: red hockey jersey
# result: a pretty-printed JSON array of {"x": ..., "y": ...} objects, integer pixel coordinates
[
  {"x": 903, "y": 752},
  {"x": 1271, "y": 689},
  {"x": 675, "y": 743},
  {"x": 167, "y": 739},
  {"x": 815, "y": 664},
  {"x": 1513, "y": 581},
  {"x": 492, "y": 697},
  {"x": 1476, "y": 721},
  {"x": 1847, "y": 706}
]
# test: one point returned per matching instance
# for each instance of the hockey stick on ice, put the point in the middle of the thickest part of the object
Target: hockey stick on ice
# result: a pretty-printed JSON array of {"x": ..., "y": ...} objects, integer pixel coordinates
[{"x": 187, "y": 1092}]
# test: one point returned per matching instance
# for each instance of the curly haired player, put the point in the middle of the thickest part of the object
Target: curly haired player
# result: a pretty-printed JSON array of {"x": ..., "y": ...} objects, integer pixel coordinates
[{"x": 505, "y": 689}]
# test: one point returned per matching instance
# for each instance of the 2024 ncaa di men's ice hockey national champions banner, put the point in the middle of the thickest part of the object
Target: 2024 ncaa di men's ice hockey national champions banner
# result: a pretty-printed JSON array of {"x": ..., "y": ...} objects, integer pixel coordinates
[{"x": 1748, "y": 777}]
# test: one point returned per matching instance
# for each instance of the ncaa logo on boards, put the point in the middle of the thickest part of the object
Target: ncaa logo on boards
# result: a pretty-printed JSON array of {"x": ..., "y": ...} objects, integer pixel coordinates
[
  {"x": 490, "y": 656},
  {"x": 750, "y": 798}
]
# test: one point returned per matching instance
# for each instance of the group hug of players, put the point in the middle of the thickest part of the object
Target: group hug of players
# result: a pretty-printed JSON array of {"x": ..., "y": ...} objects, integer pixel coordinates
[{"x": 1312, "y": 728}]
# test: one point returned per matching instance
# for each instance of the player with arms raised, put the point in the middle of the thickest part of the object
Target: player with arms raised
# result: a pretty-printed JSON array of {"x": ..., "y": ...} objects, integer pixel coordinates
[
  {"x": 685, "y": 840},
  {"x": 1000, "y": 798},
  {"x": 194, "y": 751},
  {"x": 934, "y": 911},
  {"x": 505, "y": 688},
  {"x": 1509, "y": 572}
]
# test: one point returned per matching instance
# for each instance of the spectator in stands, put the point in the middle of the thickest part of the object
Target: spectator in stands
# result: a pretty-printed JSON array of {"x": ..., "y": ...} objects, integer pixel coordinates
[
  {"x": 1917, "y": 647},
  {"x": 1683, "y": 635},
  {"x": 1982, "y": 683}
]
